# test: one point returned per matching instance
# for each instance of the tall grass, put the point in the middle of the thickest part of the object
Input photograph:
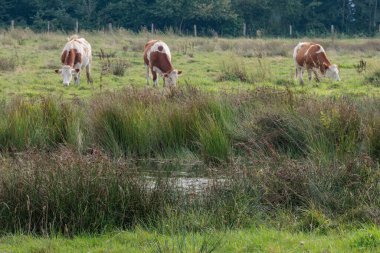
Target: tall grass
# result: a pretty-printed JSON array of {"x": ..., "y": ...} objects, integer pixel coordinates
[
  {"x": 264, "y": 151},
  {"x": 217, "y": 127}
]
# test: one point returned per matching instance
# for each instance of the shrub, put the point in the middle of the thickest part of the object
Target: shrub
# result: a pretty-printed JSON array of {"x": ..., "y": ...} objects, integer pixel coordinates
[
  {"x": 234, "y": 71},
  {"x": 119, "y": 67}
]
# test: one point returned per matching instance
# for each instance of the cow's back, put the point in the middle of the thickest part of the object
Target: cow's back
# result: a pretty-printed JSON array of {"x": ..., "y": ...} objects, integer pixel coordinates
[
  {"x": 309, "y": 54},
  {"x": 156, "y": 47},
  {"x": 80, "y": 45},
  {"x": 77, "y": 50}
]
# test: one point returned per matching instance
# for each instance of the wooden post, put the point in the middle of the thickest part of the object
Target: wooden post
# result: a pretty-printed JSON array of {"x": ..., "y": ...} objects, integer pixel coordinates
[
  {"x": 76, "y": 26},
  {"x": 290, "y": 31},
  {"x": 110, "y": 27},
  {"x": 244, "y": 29},
  {"x": 152, "y": 28},
  {"x": 195, "y": 31},
  {"x": 12, "y": 25},
  {"x": 332, "y": 33},
  {"x": 48, "y": 27}
]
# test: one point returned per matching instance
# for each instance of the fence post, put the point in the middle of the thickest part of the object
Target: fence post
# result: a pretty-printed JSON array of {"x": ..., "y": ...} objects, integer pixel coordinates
[
  {"x": 244, "y": 29},
  {"x": 332, "y": 33},
  {"x": 195, "y": 31},
  {"x": 110, "y": 27},
  {"x": 12, "y": 25},
  {"x": 290, "y": 31},
  {"x": 76, "y": 26},
  {"x": 48, "y": 27},
  {"x": 152, "y": 28}
]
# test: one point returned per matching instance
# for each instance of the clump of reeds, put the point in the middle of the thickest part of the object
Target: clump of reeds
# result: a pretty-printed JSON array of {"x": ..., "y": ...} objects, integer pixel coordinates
[{"x": 234, "y": 70}]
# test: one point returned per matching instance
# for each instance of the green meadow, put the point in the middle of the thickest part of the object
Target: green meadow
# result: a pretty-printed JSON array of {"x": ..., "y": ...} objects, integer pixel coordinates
[
  {"x": 239, "y": 157},
  {"x": 28, "y": 61}
]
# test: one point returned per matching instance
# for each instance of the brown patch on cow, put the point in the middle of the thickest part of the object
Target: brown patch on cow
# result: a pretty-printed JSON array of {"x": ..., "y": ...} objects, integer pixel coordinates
[
  {"x": 160, "y": 48},
  {"x": 71, "y": 57},
  {"x": 308, "y": 57}
]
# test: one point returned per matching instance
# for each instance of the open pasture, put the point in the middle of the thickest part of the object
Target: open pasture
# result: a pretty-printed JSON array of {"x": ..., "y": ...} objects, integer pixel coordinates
[
  {"x": 294, "y": 164},
  {"x": 28, "y": 61}
]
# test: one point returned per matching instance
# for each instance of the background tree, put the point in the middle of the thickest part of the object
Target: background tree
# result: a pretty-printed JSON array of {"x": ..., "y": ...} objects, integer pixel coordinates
[{"x": 308, "y": 17}]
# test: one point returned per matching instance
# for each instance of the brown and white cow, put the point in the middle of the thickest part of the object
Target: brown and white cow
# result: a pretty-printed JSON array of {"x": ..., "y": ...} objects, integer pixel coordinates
[
  {"x": 157, "y": 58},
  {"x": 75, "y": 55},
  {"x": 312, "y": 56}
]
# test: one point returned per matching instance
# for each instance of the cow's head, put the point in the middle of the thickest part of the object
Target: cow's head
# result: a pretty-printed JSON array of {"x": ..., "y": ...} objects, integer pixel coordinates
[
  {"x": 332, "y": 72},
  {"x": 172, "y": 77},
  {"x": 67, "y": 73}
]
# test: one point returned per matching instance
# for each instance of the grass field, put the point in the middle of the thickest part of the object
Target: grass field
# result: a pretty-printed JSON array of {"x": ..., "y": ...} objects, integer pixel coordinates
[
  {"x": 28, "y": 61},
  {"x": 285, "y": 167}
]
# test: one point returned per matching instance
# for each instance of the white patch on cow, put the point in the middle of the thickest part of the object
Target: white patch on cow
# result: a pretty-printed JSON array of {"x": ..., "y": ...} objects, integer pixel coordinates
[
  {"x": 172, "y": 77},
  {"x": 67, "y": 73},
  {"x": 333, "y": 72},
  {"x": 321, "y": 50},
  {"x": 155, "y": 47}
]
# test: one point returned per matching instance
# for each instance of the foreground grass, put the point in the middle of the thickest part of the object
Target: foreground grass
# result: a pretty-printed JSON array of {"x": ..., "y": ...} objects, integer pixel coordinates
[{"x": 248, "y": 240}]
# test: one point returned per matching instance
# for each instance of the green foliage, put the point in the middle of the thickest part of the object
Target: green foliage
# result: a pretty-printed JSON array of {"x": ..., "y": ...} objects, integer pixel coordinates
[{"x": 224, "y": 17}]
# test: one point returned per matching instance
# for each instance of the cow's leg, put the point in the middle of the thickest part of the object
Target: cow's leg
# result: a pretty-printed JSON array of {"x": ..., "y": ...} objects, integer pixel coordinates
[
  {"x": 155, "y": 81},
  {"x": 310, "y": 74},
  {"x": 147, "y": 74},
  {"x": 77, "y": 78},
  {"x": 88, "y": 73},
  {"x": 300, "y": 74}
]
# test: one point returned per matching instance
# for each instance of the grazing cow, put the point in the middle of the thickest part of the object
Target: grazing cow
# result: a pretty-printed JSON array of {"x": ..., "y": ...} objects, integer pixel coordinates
[
  {"x": 157, "y": 57},
  {"x": 311, "y": 56},
  {"x": 75, "y": 55}
]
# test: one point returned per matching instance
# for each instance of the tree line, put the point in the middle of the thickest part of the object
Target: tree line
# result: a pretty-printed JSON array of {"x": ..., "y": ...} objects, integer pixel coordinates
[{"x": 224, "y": 17}]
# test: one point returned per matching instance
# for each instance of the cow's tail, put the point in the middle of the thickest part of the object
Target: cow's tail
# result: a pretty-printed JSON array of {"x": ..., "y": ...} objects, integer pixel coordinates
[{"x": 295, "y": 52}]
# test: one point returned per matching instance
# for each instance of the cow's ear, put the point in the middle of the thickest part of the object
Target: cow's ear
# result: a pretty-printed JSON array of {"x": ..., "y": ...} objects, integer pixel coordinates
[
  {"x": 58, "y": 71},
  {"x": 77, "y": 70},
  {"x": 325, "y": 65},
  {"x": 166, "y": 75},
  {"x": 179, "y": 72}
]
